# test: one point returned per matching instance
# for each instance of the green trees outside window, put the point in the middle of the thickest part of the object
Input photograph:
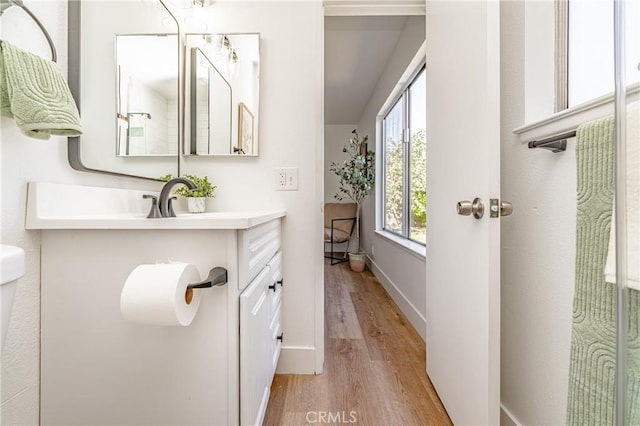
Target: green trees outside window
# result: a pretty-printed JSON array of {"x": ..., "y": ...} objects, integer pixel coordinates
[{"x": 404, "y": 163}]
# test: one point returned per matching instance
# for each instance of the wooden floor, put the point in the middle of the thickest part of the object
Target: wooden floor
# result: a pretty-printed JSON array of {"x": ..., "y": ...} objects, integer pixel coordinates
[{"x": 374, "y": 364}]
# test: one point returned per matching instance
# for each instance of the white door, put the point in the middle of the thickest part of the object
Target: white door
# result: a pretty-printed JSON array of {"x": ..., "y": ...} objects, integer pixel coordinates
[{"x": 463, "y": 162}]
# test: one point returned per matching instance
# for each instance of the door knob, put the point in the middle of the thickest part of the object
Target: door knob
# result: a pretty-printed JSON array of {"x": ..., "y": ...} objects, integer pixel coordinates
[
  {"x": 465, "y": 208},
  {"x": 505, "y": 208}
]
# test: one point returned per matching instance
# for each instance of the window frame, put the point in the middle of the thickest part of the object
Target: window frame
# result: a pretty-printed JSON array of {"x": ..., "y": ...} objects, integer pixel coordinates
[
  {"x": 403, "y": 97},
  {"x": 562, "y": 64},
  {"x": 403, "y": 101},
  {"x": 561, "y": 60},
  {"x": 565, "y": 118}
]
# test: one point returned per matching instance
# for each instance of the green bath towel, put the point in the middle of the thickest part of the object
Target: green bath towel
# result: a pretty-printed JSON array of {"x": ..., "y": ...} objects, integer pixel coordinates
[
  {"x": 34, "y": 93},
  {"x": 593, "y": 337}
]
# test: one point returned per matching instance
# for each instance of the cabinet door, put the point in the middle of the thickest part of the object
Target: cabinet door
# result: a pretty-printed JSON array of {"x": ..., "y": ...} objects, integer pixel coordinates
[
  {"x": 275, "y": 296},
  {"x": 275, "y": 341},
  {"x": 255, "y": 360}
]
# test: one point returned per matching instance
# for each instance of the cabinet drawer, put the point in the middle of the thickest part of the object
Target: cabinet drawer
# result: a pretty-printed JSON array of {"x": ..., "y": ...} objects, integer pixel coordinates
[{"x": 257, "y": 246}]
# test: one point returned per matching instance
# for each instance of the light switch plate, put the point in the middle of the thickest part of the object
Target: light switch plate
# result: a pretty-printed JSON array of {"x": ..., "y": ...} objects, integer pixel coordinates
[{"x": 287, "y": 179}]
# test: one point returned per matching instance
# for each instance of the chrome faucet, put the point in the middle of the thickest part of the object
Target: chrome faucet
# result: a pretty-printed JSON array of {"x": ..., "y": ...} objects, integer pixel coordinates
[{"x": 165, "y": 201}]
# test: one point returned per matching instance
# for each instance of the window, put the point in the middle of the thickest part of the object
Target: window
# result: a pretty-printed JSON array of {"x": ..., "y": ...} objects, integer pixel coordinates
[
  {"x": 404, "y": 193},
  {"x": 590, "y": 48},
  {"x": 584, "y": 64}
]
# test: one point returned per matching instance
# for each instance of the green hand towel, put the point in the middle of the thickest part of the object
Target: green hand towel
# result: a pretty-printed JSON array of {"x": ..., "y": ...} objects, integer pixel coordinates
[
  {"x": 593, "y": 337},
  {"x": 34, "y": 93}
]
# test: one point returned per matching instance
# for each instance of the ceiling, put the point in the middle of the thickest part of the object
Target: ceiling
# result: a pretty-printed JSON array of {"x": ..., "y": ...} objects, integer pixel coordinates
[{"x": 357, "y": 50}]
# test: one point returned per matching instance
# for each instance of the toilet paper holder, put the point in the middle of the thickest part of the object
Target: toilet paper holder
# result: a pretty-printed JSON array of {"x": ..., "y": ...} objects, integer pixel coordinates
[{"x": 217, "y": 277}]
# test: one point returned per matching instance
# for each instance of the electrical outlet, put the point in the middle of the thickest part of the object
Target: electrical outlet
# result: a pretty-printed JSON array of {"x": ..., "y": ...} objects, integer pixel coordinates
[
  {"x": 287, "y": 179},
  {"x": 281, "y": 179}
]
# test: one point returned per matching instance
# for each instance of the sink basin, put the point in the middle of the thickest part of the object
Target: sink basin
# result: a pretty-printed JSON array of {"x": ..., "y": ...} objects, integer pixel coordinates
[{"x": 61, "y": 206}]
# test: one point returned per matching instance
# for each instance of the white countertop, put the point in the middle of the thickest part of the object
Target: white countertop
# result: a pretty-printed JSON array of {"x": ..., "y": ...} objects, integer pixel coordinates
[{"x": 60, "y": 206}]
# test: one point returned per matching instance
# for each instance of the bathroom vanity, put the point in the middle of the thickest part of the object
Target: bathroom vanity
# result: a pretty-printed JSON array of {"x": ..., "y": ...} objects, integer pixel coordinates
[{"x": 98, "y": 369}]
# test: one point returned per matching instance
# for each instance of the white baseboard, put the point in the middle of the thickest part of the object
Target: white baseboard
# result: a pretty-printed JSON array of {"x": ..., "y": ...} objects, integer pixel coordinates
[
  {"x": 297, "y": 360},
  {"x": 507, "y": 418},
  {"x": 416, "y": 319}
]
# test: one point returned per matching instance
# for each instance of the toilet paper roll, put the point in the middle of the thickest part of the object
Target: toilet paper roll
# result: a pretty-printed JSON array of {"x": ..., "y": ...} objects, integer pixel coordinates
[{"x": 158, "y": 295}]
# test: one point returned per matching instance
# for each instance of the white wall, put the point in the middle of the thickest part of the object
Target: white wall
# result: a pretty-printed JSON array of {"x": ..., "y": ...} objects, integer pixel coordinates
[
  {"x": 401, "y": 273},
  {"x": 154, "y": 140},
  {"x": 538, "y": 239},
  {"x": 172, "y": 125},
  {"x": 292, "y": 132},
  {"x": 335, "y": 138},
  {"x": 25, "y": 159},
  {"x": 244, "y": 86}
]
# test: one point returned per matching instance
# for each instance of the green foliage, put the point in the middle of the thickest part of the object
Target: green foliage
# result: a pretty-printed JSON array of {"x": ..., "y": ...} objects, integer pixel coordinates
[
  {"x": 204, "y": 187},
  {"x": 418, "y": 179},
  {"x": 356, "y": 174},
  {"x": 394, "y": 170}
]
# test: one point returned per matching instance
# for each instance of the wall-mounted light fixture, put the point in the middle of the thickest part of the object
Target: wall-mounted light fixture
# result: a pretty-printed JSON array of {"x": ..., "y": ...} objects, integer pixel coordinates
[
  {"x": 189, "y": 12},
  {"x": 222, "y": 52},
  {"x": 229, "y": 52},
  {"x": 200, "y": 3}
]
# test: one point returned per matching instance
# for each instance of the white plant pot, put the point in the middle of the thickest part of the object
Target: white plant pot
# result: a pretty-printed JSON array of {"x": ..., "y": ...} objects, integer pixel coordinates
[
  {"x": 196, "y": 204},
  {"x": 357, "y": 261}
]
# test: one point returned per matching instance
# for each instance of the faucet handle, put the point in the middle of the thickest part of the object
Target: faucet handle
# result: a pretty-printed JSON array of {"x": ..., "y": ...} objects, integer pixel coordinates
[
  {"x": 155, "y": 211},
  {"x": 170, "y": 210}
]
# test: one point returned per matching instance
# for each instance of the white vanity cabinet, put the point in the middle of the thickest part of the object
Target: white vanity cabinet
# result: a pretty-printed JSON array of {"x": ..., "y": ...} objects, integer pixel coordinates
[
  {"x": 98, "y": 369},
  {"x": 260, "y": 318}
]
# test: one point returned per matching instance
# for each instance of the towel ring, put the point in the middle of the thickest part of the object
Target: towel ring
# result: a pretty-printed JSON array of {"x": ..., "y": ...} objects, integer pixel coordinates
[{"x": 5, "y": 4}]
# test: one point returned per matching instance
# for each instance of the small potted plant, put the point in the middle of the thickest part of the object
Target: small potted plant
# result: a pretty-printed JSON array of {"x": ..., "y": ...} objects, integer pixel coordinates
[
  {"x": 356, "y": 176},
  {"x": 196, "y": 198}
]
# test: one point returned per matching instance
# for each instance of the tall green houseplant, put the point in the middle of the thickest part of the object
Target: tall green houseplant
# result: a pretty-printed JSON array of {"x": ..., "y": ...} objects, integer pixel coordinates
[{"x": 356, "y": 174}]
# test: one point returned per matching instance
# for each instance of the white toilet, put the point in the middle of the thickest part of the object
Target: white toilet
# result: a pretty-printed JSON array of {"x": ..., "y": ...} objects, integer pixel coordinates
[{"x": 12, "y": 265}]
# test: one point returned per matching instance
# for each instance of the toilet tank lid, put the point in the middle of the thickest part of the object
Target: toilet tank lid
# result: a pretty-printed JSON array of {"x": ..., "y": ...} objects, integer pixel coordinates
[{"x": 12, "y": 263}]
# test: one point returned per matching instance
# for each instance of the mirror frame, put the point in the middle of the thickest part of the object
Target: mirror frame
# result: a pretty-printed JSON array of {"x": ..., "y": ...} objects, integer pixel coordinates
[{"x": 74, "y": 151}]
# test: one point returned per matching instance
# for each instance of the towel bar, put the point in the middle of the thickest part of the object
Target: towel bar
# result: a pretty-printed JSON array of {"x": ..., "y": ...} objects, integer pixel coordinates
[
  {"x": 5, "y": 4},
  {"x": 555, "y": 143}
]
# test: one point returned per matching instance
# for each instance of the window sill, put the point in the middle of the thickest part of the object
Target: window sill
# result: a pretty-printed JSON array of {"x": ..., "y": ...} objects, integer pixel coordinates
[
  {"x": 417, "y": 250},
  {"x": 569, "y": 119}
]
